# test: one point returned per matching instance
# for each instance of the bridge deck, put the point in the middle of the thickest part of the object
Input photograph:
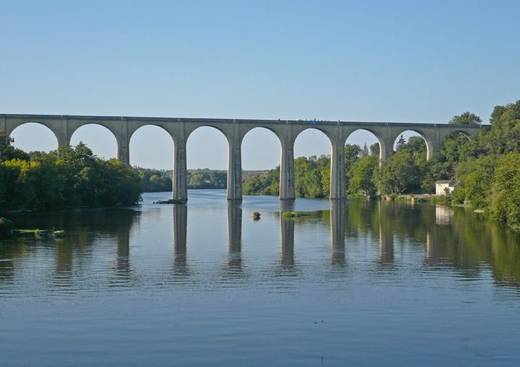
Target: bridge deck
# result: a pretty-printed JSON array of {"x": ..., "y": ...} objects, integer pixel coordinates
[{"x": 202, "y": 120}]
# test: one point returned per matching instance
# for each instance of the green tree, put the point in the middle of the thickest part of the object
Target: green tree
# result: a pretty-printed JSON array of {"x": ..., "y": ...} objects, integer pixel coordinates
[
  {"x": 363, "y": 175},
  {"x": 400, "y": 174},
  {"x": 504, "y": 136},
  {"x": 265, "y": 183},
  {"x": 352, "y": 154},
  {"x": 374, "y": 149},
  {"x": 474, "y": 179},
  {"x": 406, "y": 169},
  {"x": 505, "y": 190},
  {"x": 467, "y": 118},
  {"x": 312, "y": 176},
  {"x": 401, "y": 143}
]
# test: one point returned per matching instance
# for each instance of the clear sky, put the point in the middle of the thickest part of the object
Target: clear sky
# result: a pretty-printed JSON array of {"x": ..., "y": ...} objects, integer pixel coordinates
[{"x": 350, "y": 60}]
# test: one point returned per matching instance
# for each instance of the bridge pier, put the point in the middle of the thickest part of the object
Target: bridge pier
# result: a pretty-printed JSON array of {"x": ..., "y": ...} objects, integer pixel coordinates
[
  {"x": 386, "y": 149},
  {"x": 433, "y": 147},
  {"x": 62, "y": 135},
  {"x": 123, "y": 153},
  {"x": 123, "y": 142},
  {"x": 337, "y": 171},
  {"x": 287, "y": 171},
  {"x": 180, "y": 171},
  {"x": 234, "y": 176}
]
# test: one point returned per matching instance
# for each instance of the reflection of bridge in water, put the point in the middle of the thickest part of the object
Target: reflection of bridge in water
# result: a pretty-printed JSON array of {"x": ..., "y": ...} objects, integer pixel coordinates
[
  {"x": 234, "y": 220},
  {"x": 385, "y": 232},
  {"x": 434, "y": 229},
  {"x": 337, "y": 225}
]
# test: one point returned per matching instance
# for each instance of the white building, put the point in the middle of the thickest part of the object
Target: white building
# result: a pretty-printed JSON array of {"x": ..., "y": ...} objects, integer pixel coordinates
[{"x": 443, "y": 187}]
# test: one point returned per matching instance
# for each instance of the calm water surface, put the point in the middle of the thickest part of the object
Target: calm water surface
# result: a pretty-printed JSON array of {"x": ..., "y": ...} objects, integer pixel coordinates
[{"x": 359, "y": 283}]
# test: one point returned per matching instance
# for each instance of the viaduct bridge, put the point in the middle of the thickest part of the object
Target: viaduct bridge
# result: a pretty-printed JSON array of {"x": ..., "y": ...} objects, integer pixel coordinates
[{"x": 63, "y": 126}]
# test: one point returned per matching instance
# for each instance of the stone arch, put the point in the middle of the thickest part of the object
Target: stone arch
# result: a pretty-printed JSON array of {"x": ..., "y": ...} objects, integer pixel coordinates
[
  {"x": 74, "y": 126},
  {"x": 222, "y": 129},
  {"x": 424, "y": 136},
  {"x": 39, "y": 125},
  {"x": 159, "y": 131},
  {"x": 105, "y": 128}
]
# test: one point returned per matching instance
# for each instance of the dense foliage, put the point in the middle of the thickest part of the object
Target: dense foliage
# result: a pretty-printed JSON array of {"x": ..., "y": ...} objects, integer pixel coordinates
[
  {"x": 207, "y": 179},
  {"x": 68, "y": 177},
  {"x": 312, "y": 176},
  {"x": 362, "y": 176},
  {"x": 489, "y": 178},
  {"x": 154, "y": 180},
  {"x": 467, "y": 118},
  {"x": 265, "y": 183},
  {"x": 405, "y": 171},
  {"x": 505, "y": 190}
]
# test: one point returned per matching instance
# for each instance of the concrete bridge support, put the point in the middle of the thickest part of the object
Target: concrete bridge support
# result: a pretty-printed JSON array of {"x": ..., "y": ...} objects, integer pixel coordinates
[
  {"x": 287, "y": 171},
  {"x": 337, "y": 171},
  {"x": 234, "y": 176},
  {"x": 123, "y": 152},
  {"x": 386, "y": 150},
  {"x": 62, "y": 135},
  {"x": 180, "y": 171}
]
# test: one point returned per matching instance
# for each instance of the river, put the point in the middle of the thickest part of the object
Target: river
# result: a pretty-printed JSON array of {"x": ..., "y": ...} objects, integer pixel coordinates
[{"x": 359, "y": 283}]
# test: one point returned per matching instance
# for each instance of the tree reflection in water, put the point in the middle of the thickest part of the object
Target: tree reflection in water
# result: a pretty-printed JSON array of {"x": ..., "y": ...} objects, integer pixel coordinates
[{"x": 450, "y": 238}]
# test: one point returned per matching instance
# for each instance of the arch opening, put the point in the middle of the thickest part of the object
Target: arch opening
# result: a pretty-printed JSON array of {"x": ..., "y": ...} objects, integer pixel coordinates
[
  {"x": 366, "y": 142},
  {"x": 151, "y": 153},
  {"x": 34, "y": 136},
  {"x": 261, "y": 172},
  {"x": 151, "y": 147},
  {"x": 363, "y": 152},
  {"x": 97, "y": 138},
  {"x": 312, "y": 137},
  {"x": 312, "y": 164},
  {"x": 207, "y": 151},
  {"x": 413, "y": 142}
]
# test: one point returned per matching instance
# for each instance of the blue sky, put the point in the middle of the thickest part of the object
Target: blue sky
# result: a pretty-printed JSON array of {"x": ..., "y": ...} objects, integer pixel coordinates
[{"x": 350, "y": 60}]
